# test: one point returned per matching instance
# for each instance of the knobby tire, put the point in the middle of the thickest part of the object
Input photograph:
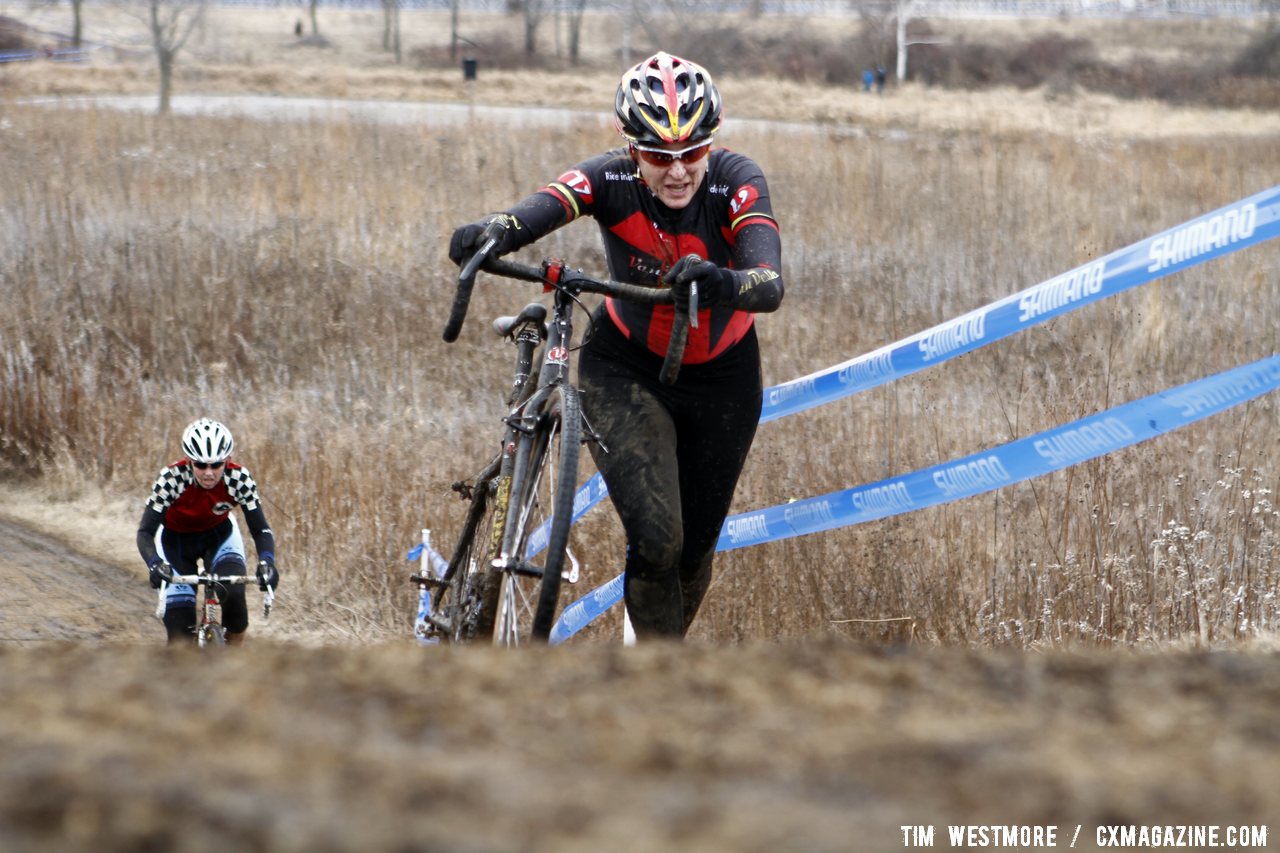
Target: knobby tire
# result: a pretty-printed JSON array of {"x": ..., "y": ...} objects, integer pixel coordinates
[
  {"x": 543, "y": 488},
  {"x": 467, "y": 602},
  {"x": 211, "y": 635}
]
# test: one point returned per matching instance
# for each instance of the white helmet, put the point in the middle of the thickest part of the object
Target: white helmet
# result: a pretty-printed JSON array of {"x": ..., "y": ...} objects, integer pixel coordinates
[{"x": 207, "y": 441}]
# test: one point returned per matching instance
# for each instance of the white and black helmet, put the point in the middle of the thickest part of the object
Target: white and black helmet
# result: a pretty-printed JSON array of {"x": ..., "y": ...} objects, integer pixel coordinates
[
  {"x": 666, "y": 99},
  {"x": 207, "y": 441}
]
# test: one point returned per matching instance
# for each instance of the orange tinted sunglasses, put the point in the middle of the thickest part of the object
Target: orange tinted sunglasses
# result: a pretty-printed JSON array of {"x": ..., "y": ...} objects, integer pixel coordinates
[{"x": 662, "y": 159}]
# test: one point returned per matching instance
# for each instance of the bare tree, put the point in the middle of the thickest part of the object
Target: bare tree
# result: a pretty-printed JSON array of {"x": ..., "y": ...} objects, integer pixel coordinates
[
  {"x": 904, "y": 11},
  {"x": 315, "y": 24},
  {"x": 391, "y": 27},
  {"x": 77, "y": 26},
  {"x": 453, "y": 28},
  {"x": 534, "y": 12},
  {"x": 877, "y": 23},
  {"x": 171, "y": 23},
  {"x": 627, "y": 10},
  {"x": 576, "y": 10}
]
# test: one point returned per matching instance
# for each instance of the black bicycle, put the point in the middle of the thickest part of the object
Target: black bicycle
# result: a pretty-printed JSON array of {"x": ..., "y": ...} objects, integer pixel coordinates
[{"x": 504, "y": 575}]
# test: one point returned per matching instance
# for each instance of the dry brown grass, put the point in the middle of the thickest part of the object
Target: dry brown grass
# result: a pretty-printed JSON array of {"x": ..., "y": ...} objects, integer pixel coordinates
[{"x": 289, "y": 279}]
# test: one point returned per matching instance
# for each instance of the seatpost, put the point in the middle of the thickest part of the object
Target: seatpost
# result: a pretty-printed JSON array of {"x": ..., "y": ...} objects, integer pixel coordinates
[{"x": 527, "y": 340}]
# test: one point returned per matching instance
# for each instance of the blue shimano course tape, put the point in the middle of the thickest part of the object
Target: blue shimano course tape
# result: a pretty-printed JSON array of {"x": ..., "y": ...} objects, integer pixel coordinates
[
  {"x": 1023, "y": 459},
  {"x": 1228, "y": 229},
  {"x": 1244, "y": 223}
]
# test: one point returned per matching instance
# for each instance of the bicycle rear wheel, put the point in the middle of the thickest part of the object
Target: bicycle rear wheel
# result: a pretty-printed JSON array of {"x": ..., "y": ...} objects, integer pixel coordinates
[{"x": 537, "y": 526}]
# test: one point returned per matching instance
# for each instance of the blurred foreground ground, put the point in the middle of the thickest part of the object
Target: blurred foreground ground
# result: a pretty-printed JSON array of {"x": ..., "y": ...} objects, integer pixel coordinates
[{"x": 113, "y": 742}]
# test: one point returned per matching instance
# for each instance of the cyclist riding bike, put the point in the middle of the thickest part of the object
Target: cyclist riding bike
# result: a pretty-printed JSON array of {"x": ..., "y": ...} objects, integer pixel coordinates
[
  {"x": 676, "y": 212},
  {"x": 190, "y": 508}
]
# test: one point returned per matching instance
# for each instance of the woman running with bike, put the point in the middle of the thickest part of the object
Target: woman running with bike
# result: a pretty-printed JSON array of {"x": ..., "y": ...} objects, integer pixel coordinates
[
  {"x": 676, "y": 212},
  {"x": 190, "y": 506}
]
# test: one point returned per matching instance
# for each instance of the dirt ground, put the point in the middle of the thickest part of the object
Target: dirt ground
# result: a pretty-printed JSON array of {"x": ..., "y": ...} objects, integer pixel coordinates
[{"x": 112, "y": 741}]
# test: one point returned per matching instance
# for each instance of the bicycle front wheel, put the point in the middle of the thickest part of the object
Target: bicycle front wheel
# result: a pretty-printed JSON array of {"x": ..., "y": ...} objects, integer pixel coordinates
[
  {"x": 537, "y": 527},
  {"x": 211, "y": 634},
  {"x": 462, "y": 605}
]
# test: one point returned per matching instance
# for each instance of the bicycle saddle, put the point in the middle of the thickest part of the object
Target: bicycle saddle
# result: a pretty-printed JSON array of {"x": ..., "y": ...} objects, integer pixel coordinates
[{"x": 534, "y": 312}]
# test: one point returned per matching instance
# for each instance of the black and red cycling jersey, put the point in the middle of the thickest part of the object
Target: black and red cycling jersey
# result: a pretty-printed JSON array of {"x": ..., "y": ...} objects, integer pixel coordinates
[
  {"x": 729, "y": 222},
  {"x": 183, "y": 506}
]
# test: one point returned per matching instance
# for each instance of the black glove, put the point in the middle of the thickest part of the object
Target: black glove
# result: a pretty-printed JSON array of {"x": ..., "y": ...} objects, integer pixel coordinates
[
  {"x": 267, "y": 575},
  {"x": 465, "y": 241},
  {"x": 715, "y": 285},
  {"x": 158, "y": 572},
  {"x": 469, "y": 238}
]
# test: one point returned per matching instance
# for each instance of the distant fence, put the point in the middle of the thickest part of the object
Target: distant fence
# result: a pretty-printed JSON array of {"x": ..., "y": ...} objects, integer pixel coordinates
[
  {"x": 837, "y": 8},
  {"x": 68, "y": 55}
]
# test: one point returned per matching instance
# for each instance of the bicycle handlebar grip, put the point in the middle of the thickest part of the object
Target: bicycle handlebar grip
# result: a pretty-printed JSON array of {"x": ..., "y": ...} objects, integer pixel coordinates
[
  {"x": 493, "y": 233},
  {"x": 462, "y": 298},
  {"x": 458, "y": 313},
  {"x": 675, "y": 348}
]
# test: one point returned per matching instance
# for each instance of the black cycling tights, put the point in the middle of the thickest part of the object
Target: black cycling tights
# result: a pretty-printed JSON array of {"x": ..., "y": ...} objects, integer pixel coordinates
[
  {"x": 674, "y": 454},
  {"x": 182, "y": 550}
]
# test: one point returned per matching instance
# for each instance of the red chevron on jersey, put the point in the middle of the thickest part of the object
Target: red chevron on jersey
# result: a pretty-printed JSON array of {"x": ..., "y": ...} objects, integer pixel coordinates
[
  {"x": 577, "y": 180},
  {"x": 743, "y": 200}
]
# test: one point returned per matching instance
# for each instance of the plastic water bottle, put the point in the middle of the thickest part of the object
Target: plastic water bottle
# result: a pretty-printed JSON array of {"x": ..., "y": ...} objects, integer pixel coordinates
[{"x": 421, "y": 629}]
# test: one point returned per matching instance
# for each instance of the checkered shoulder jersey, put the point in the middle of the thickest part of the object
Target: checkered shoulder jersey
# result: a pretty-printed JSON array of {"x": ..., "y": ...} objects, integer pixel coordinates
[
  {"x": 187, "y": 508},
  {"x": 183, "y": 507}
]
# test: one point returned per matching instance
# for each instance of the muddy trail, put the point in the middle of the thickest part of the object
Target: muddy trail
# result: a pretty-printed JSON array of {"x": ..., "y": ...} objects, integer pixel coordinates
[{"x": 113, "y": 742}]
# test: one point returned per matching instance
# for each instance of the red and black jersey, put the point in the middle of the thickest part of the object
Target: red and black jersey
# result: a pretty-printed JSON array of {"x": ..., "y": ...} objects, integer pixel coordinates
[{"x": 729, "y": 222}]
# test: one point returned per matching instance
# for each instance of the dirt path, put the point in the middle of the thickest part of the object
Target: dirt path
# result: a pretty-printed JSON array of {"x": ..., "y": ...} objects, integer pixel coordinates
[
  {"x": 125, "y": 746},
  {"x": 51, "y": 592}
]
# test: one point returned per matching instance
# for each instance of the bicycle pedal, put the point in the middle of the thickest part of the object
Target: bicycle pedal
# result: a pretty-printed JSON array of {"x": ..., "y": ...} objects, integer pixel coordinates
[
  {"x": 429, "y": 581},
  {"x": 530, "y": 570},
  {"x": 519, "y": 567}
]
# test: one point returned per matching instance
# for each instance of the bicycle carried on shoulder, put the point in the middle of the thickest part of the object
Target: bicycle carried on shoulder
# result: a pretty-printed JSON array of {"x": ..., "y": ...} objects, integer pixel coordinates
[
  {"x": 504, "y": 574},
  {"x": 210, "y": 590}
]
